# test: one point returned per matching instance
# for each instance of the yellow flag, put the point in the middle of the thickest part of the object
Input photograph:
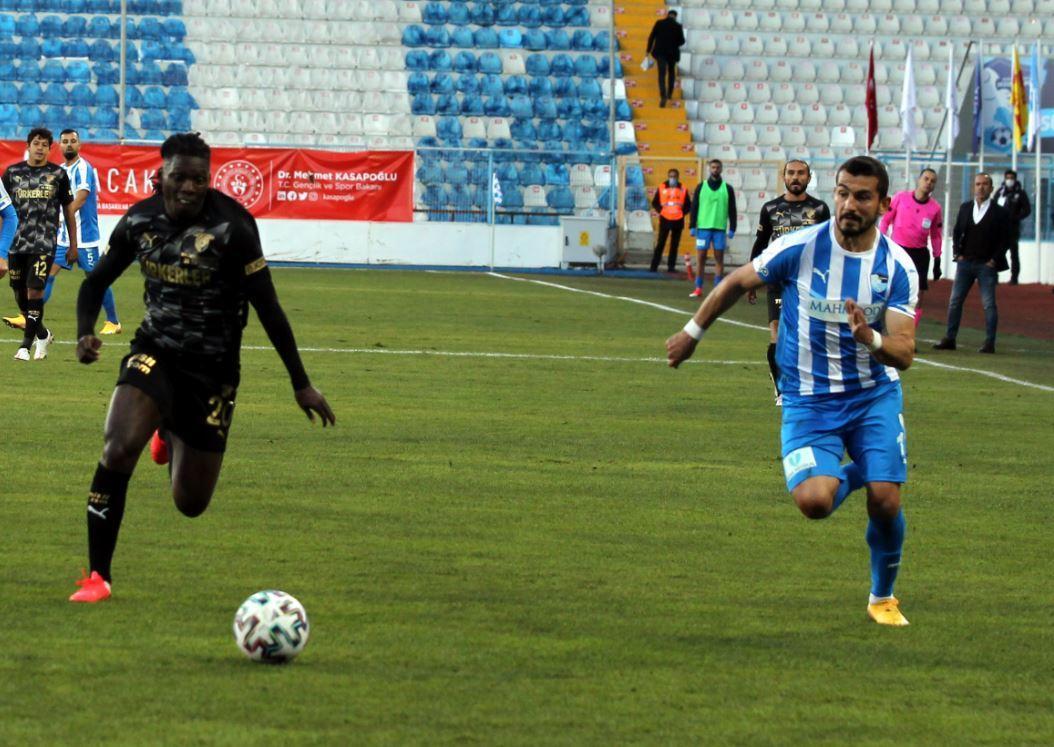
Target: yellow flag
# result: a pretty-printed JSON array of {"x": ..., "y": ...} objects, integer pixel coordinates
[{"x": 1018, "y": 102}]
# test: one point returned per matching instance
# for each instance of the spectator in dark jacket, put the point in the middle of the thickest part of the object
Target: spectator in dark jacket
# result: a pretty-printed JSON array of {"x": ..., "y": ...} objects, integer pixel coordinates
[
  {"x": 979, "y": 243},
  {"x": 1012, "y": 196},
  {"x": 664, "y": 45}
]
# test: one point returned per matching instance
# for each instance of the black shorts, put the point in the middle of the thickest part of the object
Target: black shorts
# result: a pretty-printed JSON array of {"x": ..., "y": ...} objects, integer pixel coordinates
[
  {"x": 921, "y": 258},
  {"x": 29, "y": 270},
  {"x": 775, "y": 296},
  {"x": 196, "y": 407}
]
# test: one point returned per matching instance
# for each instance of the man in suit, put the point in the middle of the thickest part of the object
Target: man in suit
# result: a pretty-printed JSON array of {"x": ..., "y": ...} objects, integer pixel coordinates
[
  {"x": 664, "y": 45},
  {"x": 979, "y": 243},
  {"x": 1012, "y": 196}
]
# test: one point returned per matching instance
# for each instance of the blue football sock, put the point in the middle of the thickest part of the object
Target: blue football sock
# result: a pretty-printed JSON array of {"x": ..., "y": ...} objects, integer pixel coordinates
[
  {"x": 699, "y": 281},
  {"x": 885, "y": 537},
  {"x": 48, "y": 286},
  {"x": 110, "y": 306},
  {"x": 852, "y": 480}
]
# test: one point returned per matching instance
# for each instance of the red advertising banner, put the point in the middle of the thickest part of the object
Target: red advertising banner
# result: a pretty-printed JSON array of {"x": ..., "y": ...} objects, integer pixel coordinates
[{"x": 270, "y": 182}]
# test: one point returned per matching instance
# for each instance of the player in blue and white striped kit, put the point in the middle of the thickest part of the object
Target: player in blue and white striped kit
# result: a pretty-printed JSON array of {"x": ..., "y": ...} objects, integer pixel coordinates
[
  {"x": 847, "y": 326},
  {"x": 85, "y": 188}
]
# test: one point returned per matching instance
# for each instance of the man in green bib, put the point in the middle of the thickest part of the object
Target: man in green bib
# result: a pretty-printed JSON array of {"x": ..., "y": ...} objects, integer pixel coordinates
[{"x": 713, "y": 216}]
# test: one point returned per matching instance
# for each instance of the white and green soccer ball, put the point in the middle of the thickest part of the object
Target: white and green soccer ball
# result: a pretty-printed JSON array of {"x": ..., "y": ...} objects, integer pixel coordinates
[{"x": 271, "y": 627}]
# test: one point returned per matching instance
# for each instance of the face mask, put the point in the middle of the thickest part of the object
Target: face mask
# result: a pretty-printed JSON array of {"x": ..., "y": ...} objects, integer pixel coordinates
[
  {"x": 673, "y": 181},
  {"x": 1009, "y": 183}
]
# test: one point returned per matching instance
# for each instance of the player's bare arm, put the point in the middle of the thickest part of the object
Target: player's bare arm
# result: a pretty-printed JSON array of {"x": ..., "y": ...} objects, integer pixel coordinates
[
  {"x": 71, "y": 225},
  {"x": 897, "y": 344},
  {"x": 89, "y": 300},
  {"x": 680, "y": 346}
]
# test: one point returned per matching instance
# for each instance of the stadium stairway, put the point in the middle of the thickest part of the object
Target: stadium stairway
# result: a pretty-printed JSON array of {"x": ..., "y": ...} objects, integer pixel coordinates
[{"x": 662, "y": 133}]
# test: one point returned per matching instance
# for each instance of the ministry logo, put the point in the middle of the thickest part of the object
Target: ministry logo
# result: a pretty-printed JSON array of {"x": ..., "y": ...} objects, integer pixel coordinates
[{"x": 240, "y": 180}]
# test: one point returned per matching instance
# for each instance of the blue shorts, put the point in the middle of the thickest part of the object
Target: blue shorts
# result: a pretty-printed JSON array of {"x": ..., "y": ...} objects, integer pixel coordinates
[
  {"x": 87, "y": 258},
  {"x": 868, "y": 424},
  {"x": 706, "y": 236}
]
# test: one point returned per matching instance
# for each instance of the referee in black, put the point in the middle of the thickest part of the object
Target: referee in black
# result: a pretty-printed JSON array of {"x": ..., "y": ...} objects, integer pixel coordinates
[{"x": 792, "y": 210}]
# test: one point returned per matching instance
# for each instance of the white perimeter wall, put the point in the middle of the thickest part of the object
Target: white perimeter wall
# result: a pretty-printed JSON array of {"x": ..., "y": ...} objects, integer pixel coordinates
[{"x": 449, "y": 244}]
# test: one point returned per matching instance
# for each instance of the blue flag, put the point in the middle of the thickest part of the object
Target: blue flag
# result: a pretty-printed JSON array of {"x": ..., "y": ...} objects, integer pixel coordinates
[{"x": 977, "y": 106}]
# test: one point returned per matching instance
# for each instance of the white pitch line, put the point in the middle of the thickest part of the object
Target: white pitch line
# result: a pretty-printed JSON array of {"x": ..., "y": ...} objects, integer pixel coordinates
[
  {"x": 484, "y": 354},
  {"x": 661, "y": 307}
]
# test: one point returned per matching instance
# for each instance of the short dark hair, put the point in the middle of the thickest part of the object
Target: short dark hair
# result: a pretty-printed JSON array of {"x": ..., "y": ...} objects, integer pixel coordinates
[
  {"x": 43, "y": 132},
  {"x": 672, "y": 13},
  {"x": 984, "y": 175},
  {"x": 674, "y": 171},
  {"x": 867, "y": 166},
  {"x": 1010, "y": 172},
  {"x": 932, "y": 171},
  {"x": 797, "y": 160},
  {"x": 69, "y": 131},
  {"x": 185, "y": 144},
  {"x": 712, "y": 161}
]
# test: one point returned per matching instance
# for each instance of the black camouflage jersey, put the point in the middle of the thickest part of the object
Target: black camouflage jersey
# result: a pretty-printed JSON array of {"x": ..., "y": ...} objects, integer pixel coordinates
[
  {"x": 196, "y": 273},
  {"x": 780, "y": 217},
  {"x": 38, "y": 193}
]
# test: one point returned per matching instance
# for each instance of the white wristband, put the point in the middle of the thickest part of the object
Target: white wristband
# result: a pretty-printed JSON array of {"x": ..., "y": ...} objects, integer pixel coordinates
[
  {"x": 693, "y": 330},
  {"x": 876, "y": 342}
]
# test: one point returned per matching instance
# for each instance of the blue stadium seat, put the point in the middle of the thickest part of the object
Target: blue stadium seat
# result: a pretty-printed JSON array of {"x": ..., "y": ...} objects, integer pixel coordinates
[
  {"x": 485, "y": 38},
  {"x": 151, "y": 49},
  {"x": 457, "y": 13},
  {"x": 510, "y": 38},
  {"x": 8, "y": 116},
  {"x": 623, "y": 112},
  {"x": 435, "y": 13},
  {"x": 80, "y": 117},
  {"x": 154, "y": 98},
  {"x": 55, "y": 95},
  {"x": 472, "y": 106},
  {"x": 550, "y": 130},
  {"x": 534, "y": 40},
  {"x": 553, "y": 15},
  {"x": 148, "y": 73},
  {"x": 477, "y": 143},
  {"x": 133, "y": 98},
  {"x": 526, "y": 145},
  {"x": 27, "y": 25},
  {"x": 506, "y": 16},
  {"x": 417, "y": 59},
  {"x": 425, "y": 146},
  {"x": 153, "y": 119},
  {"x": 561, "y": 198},
  {"x": 512, "y": 197},
  {"x": 462, "y": 37},
  {"x": 582, "y": 40},
  {"x": 73, "y": 6},
  {"x": 576, "y": 135},
  {"x": 99, "y": 27},
  {"x": 56, "y": 118},
  {"x": 447, "y": 104},
  {"x": 537, "y": 64},
  {"x": 104, "y": 117},
  {"x": 492, "y": 85},
  {"x": 105, "y": 73},
  {"x": 522, "y": 107},
  {"x": 561, "y": 66},
  {"x": 8, "y": 93},
  {"x": 437, "y": 37},
  {"x": 596, "y": 109},
  {"x": 529, "y": 16},
  {"x": 468, "y": 84},
  {"x": 482, "y": 14},
  {"x": 465, "y": 62},
  {"x": 51, "y": 47},
  {"x": 417, "y": 83},
  {"x": 102, "y": 6},
  {"x": 558, "y": 39},
  {"x": 563, "y": 87},
  {"x": 422, "y": 103},
  {"x": 179, "y": 119},
  {"x": 497, "y": 106},
  {"x": 441, "y": 83},
  {"x": 576, "y": 17},
  {"x": 82, "y": 95},
  {"x": 479, "y": 173},
  {"x": 429, "y": 173},
  {"x": 602, "y": 41},
  {"x": 101, "y": 51},
  {"x": 413, "y": 36},
  {"x": 569, "y": 107},
  {"x": 150, "y": 28},
  {"x": 523, "y": 129},
  {"x": 636, "y": 198},
  {"x": 175, "y": 75},
  {"x": 8, "y": 70},
  {"x": 456, "y": 173},
  {"x": 50, "y": 26},
  {"x": 540, "y": 86},
  {"x": 156, "y": 136},
  {"x": 440, "y": 61},
  {"x": 106, "y": 96},
  {"x": 590, "y": 89},
  {"x": 109, "y": 135},
  {"x": 28, "y": 71},
  {"x": 29, "y": 49},
  {"x": 30, "y": 93},
  {"x": 545, "y": 108},
  {"x": 75, "y": 48},
  {"x": 586, "y": 66},
  {"x": 7, "y": 26},
  {"x": 490, "y": 62},
  {"x": 174, "y": 29},
  {"x": 515, "y": 84},
  {"x": 604, "y": 67},
  {"x": 30, "y": 116},
  {"x": 508, "y": 174}
]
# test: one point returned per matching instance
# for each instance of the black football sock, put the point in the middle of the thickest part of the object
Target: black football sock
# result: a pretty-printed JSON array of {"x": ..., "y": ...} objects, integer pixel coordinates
[
  {"x": 34, "y": 313},
  {"x": 105, "y": 511},
  {"x": 774, "y": 367}
]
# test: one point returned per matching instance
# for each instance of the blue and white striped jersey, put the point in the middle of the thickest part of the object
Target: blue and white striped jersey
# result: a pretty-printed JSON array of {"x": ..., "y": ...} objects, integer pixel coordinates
[
  {"x": 816, "y": 350},
  {"x": 82, "y": 176}
]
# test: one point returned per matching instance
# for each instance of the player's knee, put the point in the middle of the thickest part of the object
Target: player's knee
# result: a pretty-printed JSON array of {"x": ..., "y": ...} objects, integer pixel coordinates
[
  {"x": 119, "y": 454},
  {"x": 190, "y": 504},
  {"x": 883, "y": 500},
  {"x": 813, "y": 503}
]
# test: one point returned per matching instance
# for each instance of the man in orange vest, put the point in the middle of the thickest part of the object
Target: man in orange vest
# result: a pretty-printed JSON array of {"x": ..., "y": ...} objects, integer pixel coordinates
[{"x": 672, "y": 203}]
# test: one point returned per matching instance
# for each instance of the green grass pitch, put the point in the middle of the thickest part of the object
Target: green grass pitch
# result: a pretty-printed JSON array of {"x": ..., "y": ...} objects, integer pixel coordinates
[{"x": 573, "y": 545}]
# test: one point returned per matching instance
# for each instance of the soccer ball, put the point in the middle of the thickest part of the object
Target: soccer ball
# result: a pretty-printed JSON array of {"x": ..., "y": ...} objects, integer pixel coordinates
[{"x": 271, "y": 626}]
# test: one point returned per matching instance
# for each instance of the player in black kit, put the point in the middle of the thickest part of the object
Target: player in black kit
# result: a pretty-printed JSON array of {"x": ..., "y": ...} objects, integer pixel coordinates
[
  {"x": 792, "y": 210},
  {"x": 39, "y": 190},
  {"x": 199, "y": 252}
]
